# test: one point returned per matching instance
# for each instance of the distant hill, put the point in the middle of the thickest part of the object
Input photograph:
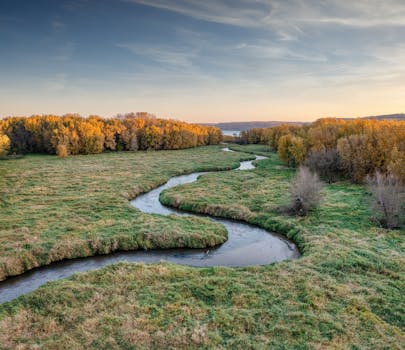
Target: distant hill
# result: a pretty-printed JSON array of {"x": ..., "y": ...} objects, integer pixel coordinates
[
  {"x": 399, "y": 116},
  {"x": 240, "y": 126}
]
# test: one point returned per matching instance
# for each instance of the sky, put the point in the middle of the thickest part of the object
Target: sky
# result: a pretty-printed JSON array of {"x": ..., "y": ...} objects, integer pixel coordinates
[{"x": 203, "y": 61}]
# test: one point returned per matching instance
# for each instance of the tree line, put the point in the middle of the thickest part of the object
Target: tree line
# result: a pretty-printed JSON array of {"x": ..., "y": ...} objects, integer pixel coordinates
[
  {"x": 369, "y": 151},
  {"x": 337, "y": 148},
  {"x": 73, "y": 134}
]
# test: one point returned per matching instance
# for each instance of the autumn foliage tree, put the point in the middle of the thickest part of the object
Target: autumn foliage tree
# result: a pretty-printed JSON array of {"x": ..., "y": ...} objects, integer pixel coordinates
[
  {"x": 291, "y": 149},
  {"x": 352, "y": 150},
  {"x": 396, "y": 164},
  {"x": 113, "y": 130},
  {"x": 78, "y": 135},
  {"x": 354, "y": 147},
  {"x": 4, "y": 145},
  {"x": 325, "y": 133}
]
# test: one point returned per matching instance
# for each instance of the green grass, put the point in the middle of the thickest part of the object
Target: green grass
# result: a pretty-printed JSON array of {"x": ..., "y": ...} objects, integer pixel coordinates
[
  {"x": 345, "y": 292},
  {"x": 53, "y": 208},
  {"x": 262, "y": 150}
]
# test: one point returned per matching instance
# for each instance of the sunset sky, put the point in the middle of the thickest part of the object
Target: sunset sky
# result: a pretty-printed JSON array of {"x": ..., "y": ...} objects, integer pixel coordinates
[{"x": 203, "y": 61}]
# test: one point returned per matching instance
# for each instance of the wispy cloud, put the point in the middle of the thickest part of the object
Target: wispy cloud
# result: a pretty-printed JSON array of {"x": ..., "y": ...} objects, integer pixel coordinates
[
  {"x": 197, "y": 55},
  {"x": 57, "y": 83},
  {"x": 242, "y": 13},
  {"x": 268, "y": 50},
  {"x": 174, "y": 56},
  {"x": 288, "y": 17}
]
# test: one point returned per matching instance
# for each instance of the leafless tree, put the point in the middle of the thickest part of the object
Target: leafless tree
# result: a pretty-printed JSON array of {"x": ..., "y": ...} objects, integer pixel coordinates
[
  {"x": 388, "y": 199},
  {"x": 305, "y": 192}
]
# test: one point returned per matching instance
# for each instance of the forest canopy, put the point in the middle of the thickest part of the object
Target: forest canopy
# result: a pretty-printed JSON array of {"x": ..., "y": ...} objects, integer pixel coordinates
[
  {"x": 73, "y": 134},
  {"x": 352, "y": 148}
]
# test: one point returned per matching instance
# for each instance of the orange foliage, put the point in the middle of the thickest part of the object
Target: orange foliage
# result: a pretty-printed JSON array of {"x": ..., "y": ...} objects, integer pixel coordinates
[
  {"x": 292, "y": 149},
  {"x": 44, "y": 134},
  {"x": 4, "y": 145},
  {"x": 62, "y": 151},
  {"x": 363, "y": 145}
]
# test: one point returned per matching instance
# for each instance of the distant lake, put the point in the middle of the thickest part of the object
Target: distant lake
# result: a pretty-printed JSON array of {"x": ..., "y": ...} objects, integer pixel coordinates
[{"x": 230, "y": 132}]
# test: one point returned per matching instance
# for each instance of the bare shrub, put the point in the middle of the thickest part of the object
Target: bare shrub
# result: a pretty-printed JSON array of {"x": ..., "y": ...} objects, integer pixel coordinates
[
  {"x": 305, "y": 192},
  {"x": 388, "y": 199},
  {"x": 62, "y": 151},
  {"x": 325, "y": 162}
]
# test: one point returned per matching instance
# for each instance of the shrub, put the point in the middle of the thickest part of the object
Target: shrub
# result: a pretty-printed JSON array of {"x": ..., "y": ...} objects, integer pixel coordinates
[
  {"x": 325, "y": 162},
  {"x": 305, "y": 192},
  {"x": 388, "y": 199},
  {"x": 62, "y": 151}
]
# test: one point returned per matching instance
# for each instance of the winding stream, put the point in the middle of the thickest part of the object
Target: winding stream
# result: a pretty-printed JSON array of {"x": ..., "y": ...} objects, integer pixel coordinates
[{"x": 247, "y": 245}]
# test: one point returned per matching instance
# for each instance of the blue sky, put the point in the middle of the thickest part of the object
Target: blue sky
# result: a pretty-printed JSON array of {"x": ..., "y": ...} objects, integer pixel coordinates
[{"x": 224, "y": 60}]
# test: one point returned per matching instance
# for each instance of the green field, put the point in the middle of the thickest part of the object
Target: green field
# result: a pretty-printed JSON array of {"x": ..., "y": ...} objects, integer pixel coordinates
[
  {"x": 345, "y": 292},
  {"x": 65, "y": 208}
]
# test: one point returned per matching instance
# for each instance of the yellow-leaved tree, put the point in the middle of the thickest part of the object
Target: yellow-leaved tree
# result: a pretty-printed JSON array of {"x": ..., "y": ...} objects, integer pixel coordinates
[
  {"x": 292, "y": 149},
  {"x": 4, "y": 145}
]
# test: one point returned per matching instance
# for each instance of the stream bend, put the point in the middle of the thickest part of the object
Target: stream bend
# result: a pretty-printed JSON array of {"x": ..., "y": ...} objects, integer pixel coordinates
[{"x": 247, "y": 245}]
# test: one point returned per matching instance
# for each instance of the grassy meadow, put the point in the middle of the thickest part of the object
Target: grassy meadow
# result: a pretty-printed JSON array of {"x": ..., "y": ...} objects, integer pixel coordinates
[
  {"x": 345, "y": 292},
  {"x": 54, "y": 208}
]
